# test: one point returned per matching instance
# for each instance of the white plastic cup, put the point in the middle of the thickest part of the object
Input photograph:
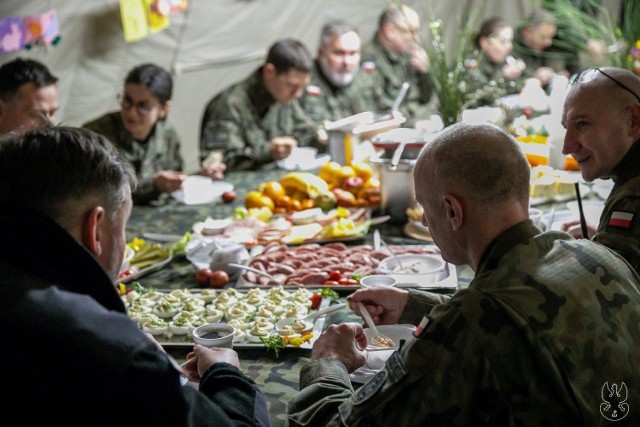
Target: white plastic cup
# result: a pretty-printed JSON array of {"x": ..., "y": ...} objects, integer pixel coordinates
[{"x": 376, "y": 280}]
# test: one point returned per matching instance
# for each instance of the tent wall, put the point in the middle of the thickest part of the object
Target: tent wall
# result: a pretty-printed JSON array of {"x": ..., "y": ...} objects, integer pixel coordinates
[{"x": 209, "y": 46}]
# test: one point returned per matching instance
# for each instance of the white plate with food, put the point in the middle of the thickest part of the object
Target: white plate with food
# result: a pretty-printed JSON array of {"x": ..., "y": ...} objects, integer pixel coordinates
[
  {"x": 563, "y": 197},
  {"x": 399, "y": 334},
  {"x": 171, "y": 315},
  {"x": 200, "y": 190}
]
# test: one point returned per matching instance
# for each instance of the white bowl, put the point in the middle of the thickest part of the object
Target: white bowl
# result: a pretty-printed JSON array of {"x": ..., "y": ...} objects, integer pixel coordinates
[
  {"x": 415, "y": 269},
  {"x": 376, "y": 359},
  {"x": 214, "y": 335},
  {"x": 374, "y": 280}
]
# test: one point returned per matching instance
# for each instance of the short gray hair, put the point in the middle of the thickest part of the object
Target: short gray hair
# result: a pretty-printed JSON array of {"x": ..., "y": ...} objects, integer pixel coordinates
[{"x": 333, "y": 29}]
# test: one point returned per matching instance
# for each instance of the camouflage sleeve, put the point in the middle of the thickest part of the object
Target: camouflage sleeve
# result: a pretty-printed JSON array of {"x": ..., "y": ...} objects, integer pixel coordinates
[
  {"x": 162, "y": 154},
  {"x": 231, "y": 129},
  {"x": 420, "y": 383},
  {"x": 619, "y": 227},
  {"x": 420, "y": 304},
  {"x": 305, "y": 129},
  {"x": 470, "y": 365}
]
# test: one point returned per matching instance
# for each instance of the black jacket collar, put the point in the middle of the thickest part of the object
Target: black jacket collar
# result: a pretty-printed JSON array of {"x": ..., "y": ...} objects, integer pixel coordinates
[{"x": 34, "y": 243}]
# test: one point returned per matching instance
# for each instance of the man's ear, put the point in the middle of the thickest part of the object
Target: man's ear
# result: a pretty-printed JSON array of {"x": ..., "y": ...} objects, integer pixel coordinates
[
  {"x": 634, "y": 128},
  {"x": 269, "y": 70},
  {"x": 91, "y": 230},
  {"x": 454, "y": 212}
]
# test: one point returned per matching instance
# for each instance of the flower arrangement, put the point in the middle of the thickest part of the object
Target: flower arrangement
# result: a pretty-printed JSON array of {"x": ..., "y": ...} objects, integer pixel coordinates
[
  {"x": 634, "y": 57},
  {"x": 589, "y": 20},
  {"x": 448, "y": 73}
]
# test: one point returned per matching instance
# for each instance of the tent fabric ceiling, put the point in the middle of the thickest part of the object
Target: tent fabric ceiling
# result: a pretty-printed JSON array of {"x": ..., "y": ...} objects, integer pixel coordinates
[{"x": 211, "y": 45}]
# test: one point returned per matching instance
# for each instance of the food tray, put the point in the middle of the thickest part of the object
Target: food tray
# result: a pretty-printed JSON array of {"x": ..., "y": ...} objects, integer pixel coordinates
[
  {"x": 446, "y": 280},
  {"x": 363, "y": 216},
  {"x": 147, "y": 270},
  {"x": 172, "y": 341},
  {"x": 535, "y": 201}
]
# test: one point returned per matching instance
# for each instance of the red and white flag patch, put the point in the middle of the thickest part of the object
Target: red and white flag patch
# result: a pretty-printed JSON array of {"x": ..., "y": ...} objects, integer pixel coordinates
[
  {"x": 313, "y": 90},
  {"x": 621, "y": 219}
]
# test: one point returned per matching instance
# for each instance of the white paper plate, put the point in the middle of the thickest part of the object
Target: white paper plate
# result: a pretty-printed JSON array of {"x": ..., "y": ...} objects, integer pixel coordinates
[
  {"x": 294, "y": 164},
  {"x": 200, "y": 190}
]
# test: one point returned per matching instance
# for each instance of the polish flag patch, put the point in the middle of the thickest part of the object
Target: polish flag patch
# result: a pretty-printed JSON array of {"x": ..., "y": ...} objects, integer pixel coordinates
[
  {"x": 313, "y": 90},
  {"x": 620, "y": 219},
  {"x": 368, "y": 66}
]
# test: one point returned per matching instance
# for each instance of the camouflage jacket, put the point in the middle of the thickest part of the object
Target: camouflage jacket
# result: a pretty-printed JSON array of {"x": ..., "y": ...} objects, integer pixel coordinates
[
  {"x": 486, "y": 82},
  {"x": 242, "y": 120},
  {"x": 546, "y": 329},
  {"x": 322, "y": 100},
  {"x": 160, "y": 152},
  {"x": 389, "y": 70},
  {"x": 619, "y": 227},
  {"x": 550, "y": 57}
]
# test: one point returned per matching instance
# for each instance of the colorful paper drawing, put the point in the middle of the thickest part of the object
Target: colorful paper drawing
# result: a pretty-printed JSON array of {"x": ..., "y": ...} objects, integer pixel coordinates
[
  {"x": 158, "y": 14},
  {"x": 177, "y": 5},
  {"x": 11, "y": 34},
  {"x": 134, "y": 19},
  {"x": 42, "y": 28}
]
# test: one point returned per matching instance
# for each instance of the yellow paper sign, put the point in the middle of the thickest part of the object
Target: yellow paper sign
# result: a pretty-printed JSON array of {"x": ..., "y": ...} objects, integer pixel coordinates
[{"x": 134, "y": 20}]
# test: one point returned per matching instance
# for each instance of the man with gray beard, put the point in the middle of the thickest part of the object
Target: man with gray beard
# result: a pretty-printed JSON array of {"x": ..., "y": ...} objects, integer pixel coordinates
[{"x": 337, "y": 89}]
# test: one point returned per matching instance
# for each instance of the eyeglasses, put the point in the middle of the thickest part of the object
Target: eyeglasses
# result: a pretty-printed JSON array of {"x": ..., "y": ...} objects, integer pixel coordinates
[
  {"x": 589, "y": 74},
  {"x": 142, "y": 108}
]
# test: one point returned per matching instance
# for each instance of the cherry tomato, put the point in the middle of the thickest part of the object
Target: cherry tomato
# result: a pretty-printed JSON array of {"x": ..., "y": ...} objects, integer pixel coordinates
[
  {"x": 348, "y": 281},
  {"x": 335, "y": 275},
  {"x": 203, "y": 276},
  {"x": 127, "y": 272},
  {"x": 229, "y": 196},
  {"x": 331, "y": 283},
  {"x": 316, "y": 299},
  {"x": 218, "y": 279}
]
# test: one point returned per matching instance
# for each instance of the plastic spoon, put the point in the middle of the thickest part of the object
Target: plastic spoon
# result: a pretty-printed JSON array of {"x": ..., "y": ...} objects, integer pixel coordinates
[
  {"x": 393, "y": 255},
  {"x": 376, "y": 335}
]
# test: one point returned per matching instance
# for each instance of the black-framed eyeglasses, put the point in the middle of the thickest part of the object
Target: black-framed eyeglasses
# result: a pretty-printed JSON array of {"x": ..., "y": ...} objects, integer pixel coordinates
[
  {"x": 143, "y": 108},
  {"x": 589, "y": 74}
]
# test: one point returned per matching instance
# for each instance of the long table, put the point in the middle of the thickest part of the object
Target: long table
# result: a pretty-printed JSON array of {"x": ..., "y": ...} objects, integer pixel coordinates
[{"x": 277, "y": 377}]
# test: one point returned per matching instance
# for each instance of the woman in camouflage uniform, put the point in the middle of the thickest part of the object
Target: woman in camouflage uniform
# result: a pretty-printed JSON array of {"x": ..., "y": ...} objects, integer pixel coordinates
[{"x": 142, "y": 134}]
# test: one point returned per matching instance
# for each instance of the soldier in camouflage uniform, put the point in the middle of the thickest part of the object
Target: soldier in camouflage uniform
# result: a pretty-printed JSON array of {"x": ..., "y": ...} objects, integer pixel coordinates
[
  {"x": 602, "y": 118},
  {"x": 394, "y": 57},
  {"x": 546, "y": 330},
  {"x": 337, "y": 90},
  {"x": 533, "y": 43},
  {"x": 259, "y": 120},
  {"x": 145, "y": 138},
  {"x": 493, "y": 73}
]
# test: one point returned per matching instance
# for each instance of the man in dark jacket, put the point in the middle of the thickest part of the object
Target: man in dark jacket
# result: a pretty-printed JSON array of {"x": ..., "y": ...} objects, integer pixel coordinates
[{"x": 71, "y": 355}]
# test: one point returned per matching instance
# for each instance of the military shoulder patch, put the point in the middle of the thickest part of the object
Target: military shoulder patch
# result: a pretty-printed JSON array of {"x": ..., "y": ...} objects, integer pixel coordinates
[
  {"x": 368, "y": 66},
  {"x": 620, "y": 219},
  {"x": 396, "y": 367},
  {"x": 313, "y": 90},
  {"x": 370, "y": 388}
]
